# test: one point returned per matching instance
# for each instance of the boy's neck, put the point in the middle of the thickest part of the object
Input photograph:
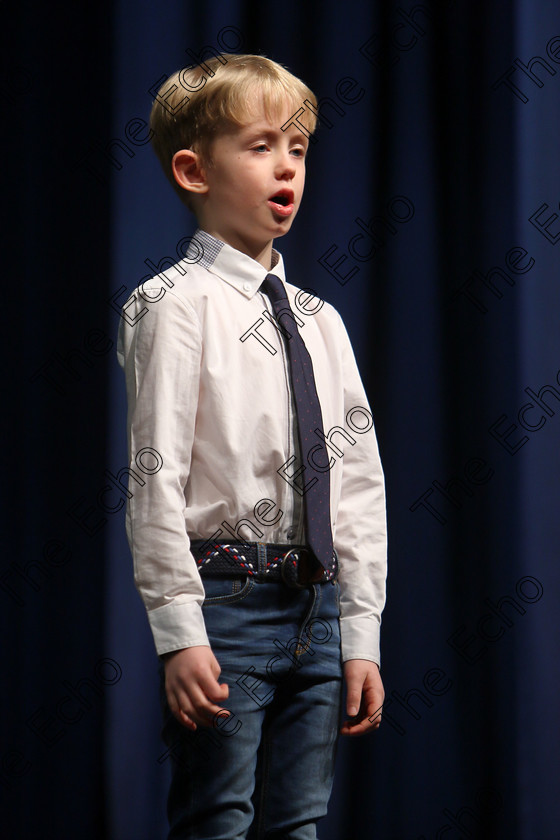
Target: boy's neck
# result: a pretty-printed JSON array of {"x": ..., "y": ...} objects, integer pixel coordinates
[{"x": 256, "y": 251}]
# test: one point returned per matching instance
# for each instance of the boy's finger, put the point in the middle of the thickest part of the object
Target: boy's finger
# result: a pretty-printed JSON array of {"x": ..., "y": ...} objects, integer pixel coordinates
[
  {"x": 202, "y": 708},
  {"x": 374, "y": 707},
  {"x": 214, "y": 690},
  {"x": 178, "y": 713},
  {"x": 353, "y": 697},
  {"x": 363, "y": 723},
  {"x": 354, "y": 728},
  {"x": 194, "y": 716},
  {"x": 183, "y": 718},
  {"x": 370, "y": 719}
]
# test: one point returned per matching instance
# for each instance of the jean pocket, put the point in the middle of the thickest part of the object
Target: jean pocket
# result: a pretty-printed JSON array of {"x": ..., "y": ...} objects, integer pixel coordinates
[{"x": 226, "y": 590}]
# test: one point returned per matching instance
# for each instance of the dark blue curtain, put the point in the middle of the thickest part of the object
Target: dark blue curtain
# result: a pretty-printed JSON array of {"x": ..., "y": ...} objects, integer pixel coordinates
[{"x": 432, "y": 222}]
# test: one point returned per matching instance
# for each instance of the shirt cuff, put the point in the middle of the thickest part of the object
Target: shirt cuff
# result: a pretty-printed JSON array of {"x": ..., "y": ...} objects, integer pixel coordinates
[
  {"x": 359, "y": 639},
  {"x": 177, "y": 626}
]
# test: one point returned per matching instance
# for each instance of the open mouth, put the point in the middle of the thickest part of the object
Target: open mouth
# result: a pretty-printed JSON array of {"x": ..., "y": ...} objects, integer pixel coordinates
[{"x": 282, "y": 202}]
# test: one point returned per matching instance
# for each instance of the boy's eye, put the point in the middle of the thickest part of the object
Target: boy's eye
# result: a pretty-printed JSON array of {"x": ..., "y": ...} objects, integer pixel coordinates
[
  {"x": 262, "y": 147},
  {"x": 298, "y": 152}
]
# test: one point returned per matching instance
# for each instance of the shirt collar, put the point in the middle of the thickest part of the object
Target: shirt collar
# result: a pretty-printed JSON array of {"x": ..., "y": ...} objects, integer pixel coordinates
[{"x": 238, "y": 270}]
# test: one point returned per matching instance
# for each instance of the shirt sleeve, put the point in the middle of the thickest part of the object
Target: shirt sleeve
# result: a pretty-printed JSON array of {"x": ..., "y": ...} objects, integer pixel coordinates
[
  {"x": 361, "y": 529},
  {"x": 160, "y": 349}
]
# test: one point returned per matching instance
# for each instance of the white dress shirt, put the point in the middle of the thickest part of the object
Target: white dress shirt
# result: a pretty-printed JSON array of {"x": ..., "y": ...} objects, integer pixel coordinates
[{"x": 212, "y": 439}]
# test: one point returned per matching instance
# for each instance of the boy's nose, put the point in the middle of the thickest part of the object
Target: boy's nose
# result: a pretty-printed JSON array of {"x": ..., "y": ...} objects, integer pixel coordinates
[{"x": 286, "y": 167}]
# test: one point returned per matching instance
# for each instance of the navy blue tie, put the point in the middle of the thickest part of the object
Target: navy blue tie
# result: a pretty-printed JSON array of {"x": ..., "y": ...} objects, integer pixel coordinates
[{"x": 316, "y": 499}]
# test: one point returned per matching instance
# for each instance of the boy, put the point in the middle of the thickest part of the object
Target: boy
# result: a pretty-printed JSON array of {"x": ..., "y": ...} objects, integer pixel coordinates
[{"x": 259, "y": 537}]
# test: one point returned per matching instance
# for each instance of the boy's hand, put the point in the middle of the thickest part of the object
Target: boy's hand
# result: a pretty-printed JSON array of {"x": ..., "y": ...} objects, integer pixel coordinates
[
  {"x": 365, "y": 695},
  {"x": 192, "y": 687}
]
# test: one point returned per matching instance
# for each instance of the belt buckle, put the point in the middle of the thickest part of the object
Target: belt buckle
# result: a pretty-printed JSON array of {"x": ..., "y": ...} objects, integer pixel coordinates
[{"x": 290, "y": 574}]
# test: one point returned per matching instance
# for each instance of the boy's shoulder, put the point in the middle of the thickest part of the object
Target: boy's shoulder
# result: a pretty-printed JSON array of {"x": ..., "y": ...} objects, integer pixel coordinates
[
  {"x": 186, "y": 278},
  {"x": 192, "y": 297},
  {"x": 213, "y": 274},
  {"x": 202, "y": 272},
  {"x": 195, "y": 285},
  {"x": 307, "y": 301}
]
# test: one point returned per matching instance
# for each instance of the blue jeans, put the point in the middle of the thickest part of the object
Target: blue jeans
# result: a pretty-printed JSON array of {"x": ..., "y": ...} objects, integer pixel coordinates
[{"x": 266, "y": 772}]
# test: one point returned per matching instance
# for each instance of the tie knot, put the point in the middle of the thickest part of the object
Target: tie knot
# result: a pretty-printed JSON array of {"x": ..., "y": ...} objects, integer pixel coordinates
[{"x": 274, "y": 288}]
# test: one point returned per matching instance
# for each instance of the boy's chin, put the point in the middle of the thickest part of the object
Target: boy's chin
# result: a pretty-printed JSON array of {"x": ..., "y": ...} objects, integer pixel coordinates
[{"x": 283, "y": 226}]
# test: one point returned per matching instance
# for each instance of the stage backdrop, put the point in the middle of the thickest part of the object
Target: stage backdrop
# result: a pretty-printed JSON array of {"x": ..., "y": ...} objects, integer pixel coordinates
[{"x": 431, "y": 221}]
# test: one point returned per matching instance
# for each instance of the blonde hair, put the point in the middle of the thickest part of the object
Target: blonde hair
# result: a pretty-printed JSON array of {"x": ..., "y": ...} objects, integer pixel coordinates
[{"x": 197, "y": 104}]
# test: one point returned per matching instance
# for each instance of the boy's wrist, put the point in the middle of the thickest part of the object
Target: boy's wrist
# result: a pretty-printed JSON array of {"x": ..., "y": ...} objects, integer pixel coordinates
[
  {"x": 362, "y": 659},
  {"x": 165, "y": 656},
  {"x": 168, "y": 654}
]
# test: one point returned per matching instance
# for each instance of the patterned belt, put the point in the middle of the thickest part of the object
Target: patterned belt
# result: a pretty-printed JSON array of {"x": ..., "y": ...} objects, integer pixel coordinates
[{"x": 296, "y": 566}]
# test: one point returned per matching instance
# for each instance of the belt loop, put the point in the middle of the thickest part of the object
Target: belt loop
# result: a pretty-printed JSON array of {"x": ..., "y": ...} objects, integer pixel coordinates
[{"x": 261, "y": 557}]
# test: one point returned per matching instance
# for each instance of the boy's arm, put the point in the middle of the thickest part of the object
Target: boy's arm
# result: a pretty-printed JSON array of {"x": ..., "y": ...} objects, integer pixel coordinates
[
  {"x": 160, "y": 351},
  {"x": 361, "y": 543}
]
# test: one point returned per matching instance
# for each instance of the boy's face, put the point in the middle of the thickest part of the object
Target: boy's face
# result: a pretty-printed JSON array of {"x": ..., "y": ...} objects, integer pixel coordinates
[{"x": 254, "y": 185}]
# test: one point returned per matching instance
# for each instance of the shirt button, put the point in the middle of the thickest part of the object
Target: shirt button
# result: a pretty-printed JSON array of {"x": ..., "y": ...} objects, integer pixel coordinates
[
  {"x": 247, "y": 287},
  {"x": 291, "y": 534}
]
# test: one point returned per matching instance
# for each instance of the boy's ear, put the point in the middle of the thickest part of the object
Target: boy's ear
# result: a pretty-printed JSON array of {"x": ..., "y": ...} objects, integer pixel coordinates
[{"x": 189, "y": 172}]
